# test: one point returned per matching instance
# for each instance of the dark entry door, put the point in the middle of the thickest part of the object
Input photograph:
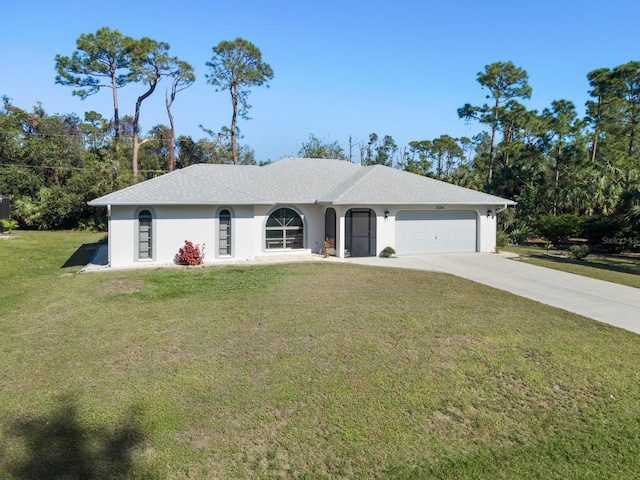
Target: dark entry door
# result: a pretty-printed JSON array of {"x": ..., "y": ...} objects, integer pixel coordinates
[{"x": 361, "y": 232}]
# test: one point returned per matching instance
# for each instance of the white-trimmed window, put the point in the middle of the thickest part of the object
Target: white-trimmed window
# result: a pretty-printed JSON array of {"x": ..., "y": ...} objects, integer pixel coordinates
[
  {"x": 224, "y": 233},
  {"x": 284, "y": 229},
  {"x": 145, "y": 235}
]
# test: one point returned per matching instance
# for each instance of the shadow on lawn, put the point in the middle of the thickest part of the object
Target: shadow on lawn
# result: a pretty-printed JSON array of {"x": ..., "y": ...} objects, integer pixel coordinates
[
  {"x": 633, "y": 270},
  {"x": 82, "y": 256},
  {"x": 60, "y": 446}
]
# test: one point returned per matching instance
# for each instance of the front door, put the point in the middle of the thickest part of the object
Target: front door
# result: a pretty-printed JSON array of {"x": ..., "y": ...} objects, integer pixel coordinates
[
  {"x": 330, "y": 231},
  {"x": 360, "y": 238}
]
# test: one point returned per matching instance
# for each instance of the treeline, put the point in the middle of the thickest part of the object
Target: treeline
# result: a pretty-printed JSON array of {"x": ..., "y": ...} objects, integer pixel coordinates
[
  {"x": 51, "y": 165},
  {"x": 571, "y": 175}
]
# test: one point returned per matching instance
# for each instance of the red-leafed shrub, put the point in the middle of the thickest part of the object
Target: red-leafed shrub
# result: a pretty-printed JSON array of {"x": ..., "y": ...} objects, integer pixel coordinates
[{"x": 190, "y": 254}]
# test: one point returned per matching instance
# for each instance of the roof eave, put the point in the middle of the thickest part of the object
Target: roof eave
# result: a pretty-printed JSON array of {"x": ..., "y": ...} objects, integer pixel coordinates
[
  {"x": 93, "y": 203},
  {"x": 341, "y": 203}
]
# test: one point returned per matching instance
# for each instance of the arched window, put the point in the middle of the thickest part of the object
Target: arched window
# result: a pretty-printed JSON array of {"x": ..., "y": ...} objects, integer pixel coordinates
[
  {"x": 224, "y": 233},
  {"x": 284, "y": 229},
  {"x": 145, "y": 235}
]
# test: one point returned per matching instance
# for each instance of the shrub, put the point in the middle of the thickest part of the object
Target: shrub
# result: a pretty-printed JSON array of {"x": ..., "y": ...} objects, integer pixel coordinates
[
  {"x": 9, "y": 224},
  {"x": 190, "y": 254},
  {"x": 387, "y": 252},
  {"x": 607, "y": 232},
  {"x": 519, "y": 235},
  {"x": 578, "y": 252},
  {"x": 93, "y": 224},
  {"x": 501, "y": 239},
  {"x": 559, "y": 228}
]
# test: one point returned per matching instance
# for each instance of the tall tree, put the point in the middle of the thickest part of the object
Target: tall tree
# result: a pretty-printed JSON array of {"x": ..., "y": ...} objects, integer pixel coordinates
[
  {"x": 150, "y": 62},
  {"x": 154, "y": 153},
  {"x": 563, "y": 130},
  {"x": 599, "y": 80},
  {"x": 385, "y": 151},
  {"x": 505, "y": 82},
  {"x": 445, "y": 150},
  {"x": 615, "y": 119},
  {"x": 189, "y": 152},
  {"x": 419, "y": 157},
  {"x": 379, "y": 151},
  {"x": 102, "y": 60},
  {"x": 627, "y": 83},
  {"x": 182, "y": 77},
  {"x": 317, "y": 148},
  {"x": 237, "y": 66}
]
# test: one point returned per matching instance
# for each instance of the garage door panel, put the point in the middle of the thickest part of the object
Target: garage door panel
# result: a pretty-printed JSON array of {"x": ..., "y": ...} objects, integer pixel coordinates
[{"x": 432, "y": 231}]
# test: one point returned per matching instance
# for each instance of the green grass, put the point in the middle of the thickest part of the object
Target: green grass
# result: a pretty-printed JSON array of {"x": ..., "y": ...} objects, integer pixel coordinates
[
  {"x": 306, "y": 371},
  {"x": 622, "y": 269}
]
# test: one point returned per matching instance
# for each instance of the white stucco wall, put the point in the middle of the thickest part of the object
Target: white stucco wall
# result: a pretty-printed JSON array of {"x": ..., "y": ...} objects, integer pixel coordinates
[
  {"x": 172, "y": 225},
  {"x": 487, "y": 229}
]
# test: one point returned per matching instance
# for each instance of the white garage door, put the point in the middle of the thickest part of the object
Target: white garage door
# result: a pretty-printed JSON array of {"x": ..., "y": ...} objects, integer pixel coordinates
[{"x": 435, "y": 231}]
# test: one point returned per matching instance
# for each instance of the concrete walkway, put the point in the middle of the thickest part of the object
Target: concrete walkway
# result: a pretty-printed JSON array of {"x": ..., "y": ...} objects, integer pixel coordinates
[{"x": 606, "y": 302}]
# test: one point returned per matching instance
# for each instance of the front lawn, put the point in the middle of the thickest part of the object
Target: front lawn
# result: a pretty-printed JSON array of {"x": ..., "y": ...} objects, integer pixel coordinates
[
  {"x": 302, "y": 371},
  {"x": 622, "y": 269}
]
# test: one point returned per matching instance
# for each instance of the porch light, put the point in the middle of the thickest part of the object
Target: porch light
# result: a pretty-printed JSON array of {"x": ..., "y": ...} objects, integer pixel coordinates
[
  {"x": 386, "y": 214},
  {"x": 488, "y": 213}
]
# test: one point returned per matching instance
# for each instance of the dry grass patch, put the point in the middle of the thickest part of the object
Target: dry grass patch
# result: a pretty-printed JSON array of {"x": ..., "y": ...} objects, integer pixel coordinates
[{"x": 122, "y": 285}]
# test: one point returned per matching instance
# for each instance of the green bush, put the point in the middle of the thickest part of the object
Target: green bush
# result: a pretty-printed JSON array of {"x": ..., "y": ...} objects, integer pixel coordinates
[
  {"x": 501, "y": 239},
  {"x": 579, "y": 252},
  {"x": 9, "y": 224},
  {"x": 387, "y": 252},
  {"x": 608, "y": 232},
  {"x": 559, "y": 228},
  {"x": 93, "y": 224},
  {"x": 519, "y": 234}
]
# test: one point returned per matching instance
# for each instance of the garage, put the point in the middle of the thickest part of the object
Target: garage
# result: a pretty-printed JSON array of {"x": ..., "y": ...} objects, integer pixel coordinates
[{"x": 435, "y": 231}]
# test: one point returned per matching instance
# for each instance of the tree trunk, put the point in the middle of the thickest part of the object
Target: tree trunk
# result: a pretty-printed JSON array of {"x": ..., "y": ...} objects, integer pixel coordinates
[
  {"x": 172, "y": 133},
  {"x": 555, "y": 194},
  {"x": 116, "y": 119},
  {"x": 596, "y": 131},
  {"x": 234, "y": 118},
  {"x": 136, "y": 126},
  {"x": 494, "y": 127},
  {"x": 632, "y": 139},
  {"x": 350, "y": 148},
  {"x": 557, "y": 182}
]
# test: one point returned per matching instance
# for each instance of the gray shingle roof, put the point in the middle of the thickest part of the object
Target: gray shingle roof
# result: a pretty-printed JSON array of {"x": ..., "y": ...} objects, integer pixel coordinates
[{"x": 295, "y": 181}]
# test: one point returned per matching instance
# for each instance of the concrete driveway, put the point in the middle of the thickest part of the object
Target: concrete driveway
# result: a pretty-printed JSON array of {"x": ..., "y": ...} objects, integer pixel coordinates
[{"x": 606, "y": 302}]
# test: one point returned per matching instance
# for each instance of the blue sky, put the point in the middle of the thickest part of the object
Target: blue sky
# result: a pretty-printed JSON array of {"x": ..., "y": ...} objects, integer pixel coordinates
[{"x": 342, "y": 68}]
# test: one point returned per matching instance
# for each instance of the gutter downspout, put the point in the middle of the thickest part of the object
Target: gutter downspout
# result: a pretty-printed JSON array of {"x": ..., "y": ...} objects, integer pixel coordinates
[{"x": 502, "y": 209}]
